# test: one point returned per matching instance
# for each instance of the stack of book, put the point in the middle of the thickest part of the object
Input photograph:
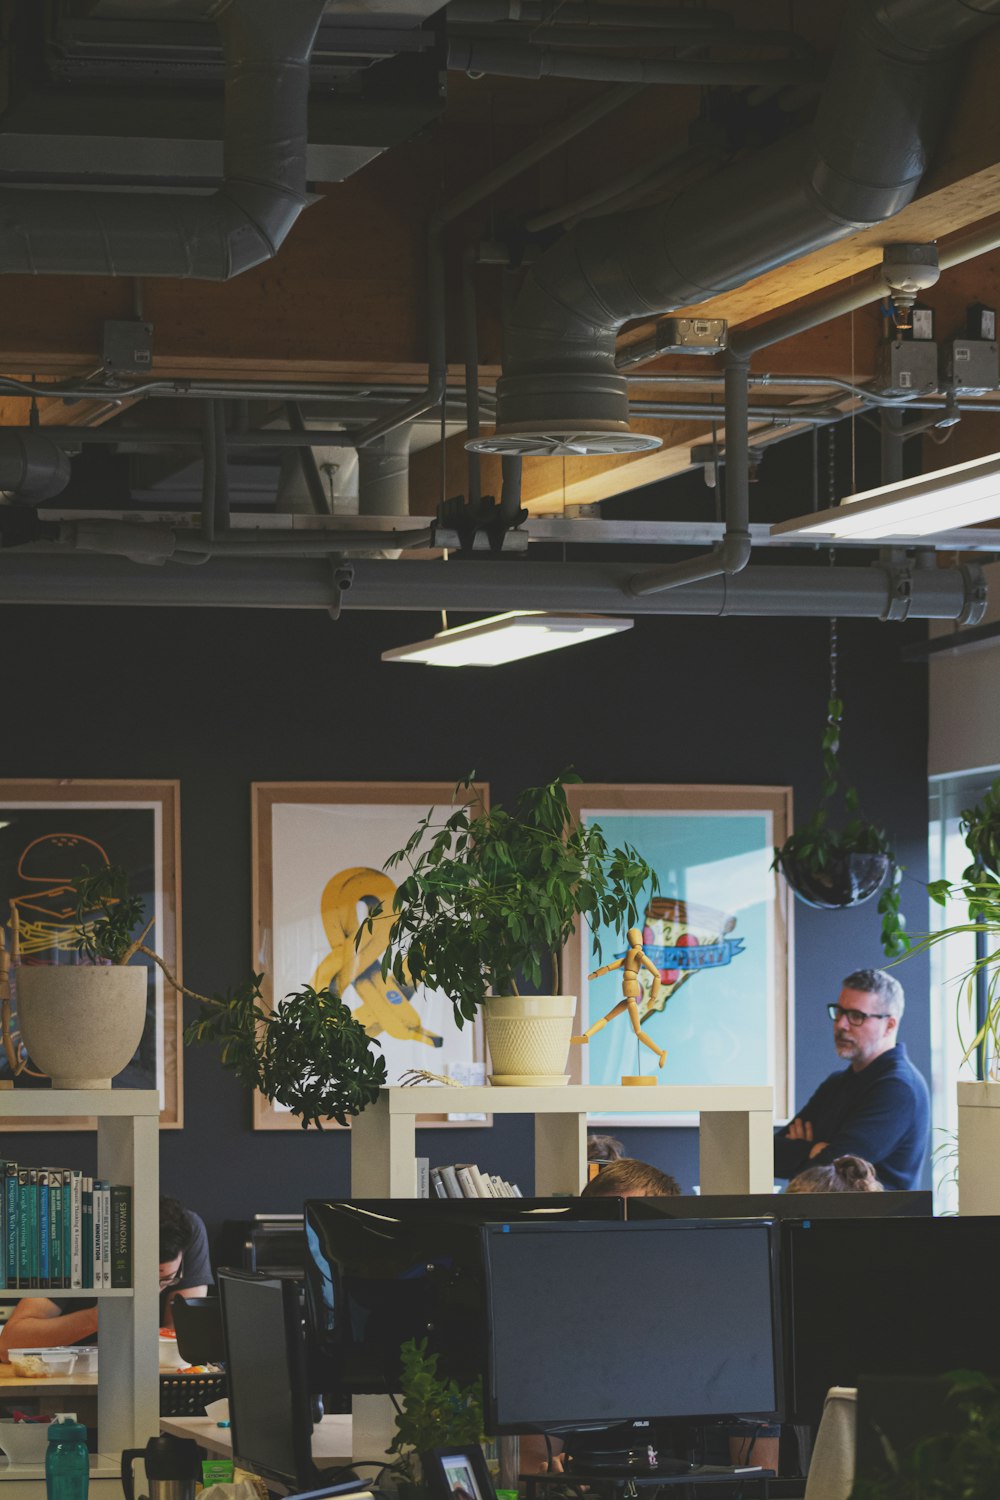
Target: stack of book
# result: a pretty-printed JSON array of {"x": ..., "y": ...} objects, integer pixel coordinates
[
  {"x": 60, "y": 1229},
  {"x": 465, "y": 1180}
]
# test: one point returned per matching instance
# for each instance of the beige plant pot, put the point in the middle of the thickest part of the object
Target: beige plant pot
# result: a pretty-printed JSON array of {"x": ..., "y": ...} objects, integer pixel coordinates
[
  {"x": 528, "y": 1037},
  {"x": 81, "y": 1023}
]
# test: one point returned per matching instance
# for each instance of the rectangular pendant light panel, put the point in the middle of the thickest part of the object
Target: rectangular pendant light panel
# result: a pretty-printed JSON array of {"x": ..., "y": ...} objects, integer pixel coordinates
[
  {"x": 942, "y": 501},
  {"x": 505, "y": 638}
]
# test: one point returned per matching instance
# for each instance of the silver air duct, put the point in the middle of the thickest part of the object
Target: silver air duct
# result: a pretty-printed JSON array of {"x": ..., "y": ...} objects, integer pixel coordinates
[
  {"x": 384, "y": 474},
  {"x": 267, "y": 45},
  {"x": 32, "y": 467},
  {"x": 890, "y": 84}
]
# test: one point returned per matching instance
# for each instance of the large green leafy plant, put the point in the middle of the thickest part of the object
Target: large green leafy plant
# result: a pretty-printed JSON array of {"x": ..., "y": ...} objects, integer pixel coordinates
[
  {"x": 434, "y": 1412},
  {"x": 825, "y": 842},
  {"x": 491, "y": 896},
  {"x": 309, "y": 1053},
  {"x": 963, "y": 1464}
]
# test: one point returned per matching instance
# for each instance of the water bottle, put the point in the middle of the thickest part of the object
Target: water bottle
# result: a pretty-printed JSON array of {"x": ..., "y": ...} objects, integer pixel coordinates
[{"x": 67, "y": 1461}]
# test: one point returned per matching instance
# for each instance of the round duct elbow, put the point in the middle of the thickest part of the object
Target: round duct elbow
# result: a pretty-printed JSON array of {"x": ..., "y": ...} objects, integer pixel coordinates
[
  {"x": 32, "y": 467},
  {"x": 574, "y": 413}
]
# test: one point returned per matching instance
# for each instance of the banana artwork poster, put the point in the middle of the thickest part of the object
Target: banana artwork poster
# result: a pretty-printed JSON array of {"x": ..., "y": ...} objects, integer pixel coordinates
[
  {"x": 715, "y": 934},
  {"x": 318, "y": 880}
]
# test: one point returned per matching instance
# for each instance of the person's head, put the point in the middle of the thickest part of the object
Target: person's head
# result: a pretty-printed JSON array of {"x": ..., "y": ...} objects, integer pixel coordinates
[
  {"x": 628, "y": 1178},
  {"x": 176, "y": 1235},
  {"x": 604, "y": 1148},
  {"x": 866, "y": 1018},
  {"x": 848, "y": 1174}
]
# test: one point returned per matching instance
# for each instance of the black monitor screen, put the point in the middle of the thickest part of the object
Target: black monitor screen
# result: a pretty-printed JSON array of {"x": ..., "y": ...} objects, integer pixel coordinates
[
  {"x": 265, "y": 1368},
  {"x": 782, "y": 1206},
  {"x": 602, "y": 1323},
  {"x": 885, "y": 1297},
  {"x": 382, "y": 1271}
]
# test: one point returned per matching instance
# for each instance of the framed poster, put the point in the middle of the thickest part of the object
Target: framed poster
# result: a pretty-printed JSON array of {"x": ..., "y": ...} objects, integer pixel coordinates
[
  {"x": 318, "y": 853},
  {"x": 49, "y": 832},
  {"x": 718, "y": 933}
]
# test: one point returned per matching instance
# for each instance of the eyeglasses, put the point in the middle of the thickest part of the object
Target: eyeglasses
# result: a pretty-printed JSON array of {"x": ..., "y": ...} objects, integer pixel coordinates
[{"x": 855, "y": 1017}]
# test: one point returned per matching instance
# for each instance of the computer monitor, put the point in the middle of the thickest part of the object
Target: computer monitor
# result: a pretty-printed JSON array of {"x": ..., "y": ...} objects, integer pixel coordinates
[
  {"x": 782, "y": 1206},
  {"x": 602, "y": 1323},
  {"x": 382, "y": 1271},
  {"x": 884, "y": 1297},
  {"x": 269, "y": 1405}
]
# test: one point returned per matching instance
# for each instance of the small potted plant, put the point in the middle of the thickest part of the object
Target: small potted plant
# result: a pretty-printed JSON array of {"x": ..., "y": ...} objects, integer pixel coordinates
[
  {"x": 833, "y": 867},
  {"x": 489, "y": 900},
  {"x": 309, "y": 1054},
  {"x": 434, "y": 1412}
]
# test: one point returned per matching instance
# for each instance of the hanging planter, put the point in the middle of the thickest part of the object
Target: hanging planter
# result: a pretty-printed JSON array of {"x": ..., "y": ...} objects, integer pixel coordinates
[{"x": 834, "y": 868}]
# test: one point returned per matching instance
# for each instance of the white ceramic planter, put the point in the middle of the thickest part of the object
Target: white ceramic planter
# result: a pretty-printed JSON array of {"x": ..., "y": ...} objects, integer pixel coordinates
[
  {"x": 979, "y": 1148},
  {"x": 528, "y": 1037},
  {"x": 81, "y": 1023}
]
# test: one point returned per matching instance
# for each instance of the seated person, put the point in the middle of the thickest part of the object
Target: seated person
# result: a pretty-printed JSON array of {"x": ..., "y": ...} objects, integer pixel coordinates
[
  {"x": 40, "y": 1322},
  {"x": 848, "y": 1174},
  {"x": 628, "y": 1178}
]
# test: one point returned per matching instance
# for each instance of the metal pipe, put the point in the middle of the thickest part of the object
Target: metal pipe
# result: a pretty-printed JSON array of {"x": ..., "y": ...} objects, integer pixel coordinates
[
  {"x": 437, "y": 359},
  {"x": 582, "y": 12},
  {"x": 584, "y": 202},
  {"x": 733, "y": 552},
  {"x": 479, "y": 586},
  {"x": 512, "y": 60},
  {"x": 307, "y": 461}
]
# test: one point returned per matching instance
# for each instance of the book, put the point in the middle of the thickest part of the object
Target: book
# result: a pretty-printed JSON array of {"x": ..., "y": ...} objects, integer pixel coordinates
[
  {"x": 32, "y": 1234},
  {"x": 467, "y": 1181},
  {"x": 11, "y": 1198},
  {"x": 450, "y": 1180},
  {"x": 440, "y": 1191},
  {"x": 423, "y": 1177},
  {"x": 44, "y": 1228},
  {"x": 23, "y": 1230},
  {"x": 121, "y": 1236},
  {"x": 87, "y": 1232},
  {"x": 55, "y": 1227},
  {"x": 76, "y": 1228},
  {"x": 106, "y": 1234}
]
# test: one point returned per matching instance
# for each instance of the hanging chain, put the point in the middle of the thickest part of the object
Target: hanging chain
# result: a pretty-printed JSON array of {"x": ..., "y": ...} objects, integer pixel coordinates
[{"x": 833, "y": 658}]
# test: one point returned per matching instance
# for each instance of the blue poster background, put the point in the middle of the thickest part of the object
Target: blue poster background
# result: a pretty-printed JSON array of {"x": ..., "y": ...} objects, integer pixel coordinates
[{"x": 717, "y": 1026}]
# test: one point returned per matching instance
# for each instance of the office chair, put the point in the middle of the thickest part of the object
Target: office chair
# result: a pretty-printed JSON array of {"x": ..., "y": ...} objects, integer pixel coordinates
[{"x": 831, "y": 1468}]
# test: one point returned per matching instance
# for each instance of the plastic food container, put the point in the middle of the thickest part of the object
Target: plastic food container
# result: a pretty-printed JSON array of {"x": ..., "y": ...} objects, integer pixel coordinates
[
  {"x": 24, "y": 1442},
  {"x": 170, "y": 1358},
  {"x": 29, "y": 1363},
  {"x": 86, "y": 1358}
]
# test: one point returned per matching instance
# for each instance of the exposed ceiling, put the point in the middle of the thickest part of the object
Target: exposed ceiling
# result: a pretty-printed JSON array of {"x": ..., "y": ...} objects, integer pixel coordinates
[{"x": 200, "y": 420}]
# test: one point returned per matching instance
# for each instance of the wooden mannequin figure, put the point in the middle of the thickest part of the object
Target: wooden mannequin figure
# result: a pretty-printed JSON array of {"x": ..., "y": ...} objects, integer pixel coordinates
[{"x": 634, "y": 960}]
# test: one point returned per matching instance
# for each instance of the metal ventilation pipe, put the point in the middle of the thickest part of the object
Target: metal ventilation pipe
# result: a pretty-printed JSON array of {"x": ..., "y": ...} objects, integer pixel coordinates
[
  {"x": 890, "y": 84},
  {"x": 32, "y": 467},
  {"x": 267, "y": 48},
  {"x": 384, "y": 474}
]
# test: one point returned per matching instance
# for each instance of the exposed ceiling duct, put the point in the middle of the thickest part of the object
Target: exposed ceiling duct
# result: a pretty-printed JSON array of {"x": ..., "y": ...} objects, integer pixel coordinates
[
  {"x": 890, "y": 84},
  {"x": 215, "y": 236}
]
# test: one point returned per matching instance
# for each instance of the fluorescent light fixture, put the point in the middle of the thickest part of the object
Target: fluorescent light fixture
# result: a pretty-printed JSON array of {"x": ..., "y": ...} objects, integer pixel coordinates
[
  {"x": 503, "y": 638},
  {"x": 942, "y": 501}
]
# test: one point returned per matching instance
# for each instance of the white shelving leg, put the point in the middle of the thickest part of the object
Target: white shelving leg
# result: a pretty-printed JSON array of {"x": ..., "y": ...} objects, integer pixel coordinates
[
  {"x": 128, "y": 1391},
  {"x": 737, "y": 1151},
  {"x": 383, "y": 1153},
  {"x": 560, "y": 1154},
  {"x": 978, "y": 1157}
]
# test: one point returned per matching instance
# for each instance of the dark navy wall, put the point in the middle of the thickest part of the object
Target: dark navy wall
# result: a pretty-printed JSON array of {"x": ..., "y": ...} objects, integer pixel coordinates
[{"x": 222, "y": 698}]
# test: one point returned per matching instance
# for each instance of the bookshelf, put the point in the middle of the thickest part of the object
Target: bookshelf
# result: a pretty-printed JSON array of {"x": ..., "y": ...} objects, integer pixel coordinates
[
  {"x": 126, "y": 1122},
  {"x": 735, "y": 1132}
]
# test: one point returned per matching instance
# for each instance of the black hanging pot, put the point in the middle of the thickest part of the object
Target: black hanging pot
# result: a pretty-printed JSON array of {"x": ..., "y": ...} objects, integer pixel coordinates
[{"x": 848, "y": 880}]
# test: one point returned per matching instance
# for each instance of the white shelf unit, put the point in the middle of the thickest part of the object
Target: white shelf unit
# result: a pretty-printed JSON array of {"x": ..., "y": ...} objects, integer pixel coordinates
[
  {"x": 127, "y": 1123},
  {"x": 735, "y": 1132}
]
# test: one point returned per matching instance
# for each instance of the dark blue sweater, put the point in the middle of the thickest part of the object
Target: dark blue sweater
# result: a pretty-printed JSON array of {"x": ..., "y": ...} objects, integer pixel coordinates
[{"x": 881, "y": 1113}]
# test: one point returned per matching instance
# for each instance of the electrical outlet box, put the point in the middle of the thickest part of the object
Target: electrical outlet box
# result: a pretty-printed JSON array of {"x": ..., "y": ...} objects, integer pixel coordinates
[
  {"x": 128, "y": 346},
  {"x": 970, "y": 367},
  {"x": 691, "y": 335},
  {"x": 905, "y": 366}
]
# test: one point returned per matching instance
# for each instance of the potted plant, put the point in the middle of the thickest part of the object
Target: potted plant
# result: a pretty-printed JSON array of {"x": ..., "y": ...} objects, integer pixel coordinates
[
  {"x": 832, "y": 867},
  {"x": 961, "y": 1461},
  {"x": 434, "y": 1412},
  {"x": 309, "y": 1054},
  {"x": 488, "y": 902}
]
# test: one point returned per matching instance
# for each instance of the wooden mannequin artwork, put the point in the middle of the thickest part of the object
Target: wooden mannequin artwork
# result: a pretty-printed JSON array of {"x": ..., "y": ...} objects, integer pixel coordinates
[{"x": 630, "y": 964}]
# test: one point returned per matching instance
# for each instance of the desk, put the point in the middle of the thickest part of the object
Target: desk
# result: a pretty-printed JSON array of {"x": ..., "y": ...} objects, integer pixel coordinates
[
  {"x": 45, "y": 1389},
  {"x": 331, "y": 1442},
  {"x": 624, "y": 1485}
]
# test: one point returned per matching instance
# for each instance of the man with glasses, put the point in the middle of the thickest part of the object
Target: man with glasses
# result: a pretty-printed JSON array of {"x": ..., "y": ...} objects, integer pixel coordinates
[
  {"x": 44, "y": 1322},
  {"x": 877, "y": 1107}
]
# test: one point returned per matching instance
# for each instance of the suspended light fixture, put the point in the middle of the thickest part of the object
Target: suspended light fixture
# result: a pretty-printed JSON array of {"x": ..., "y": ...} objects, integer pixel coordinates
[
  {"x": 941, "y": 501},
  {"x": 503, "y": 638}
]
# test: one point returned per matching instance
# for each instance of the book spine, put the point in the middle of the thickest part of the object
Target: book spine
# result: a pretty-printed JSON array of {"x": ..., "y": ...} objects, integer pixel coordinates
[
  {"x": 55, "y": 1227},
  {"x": 106, "y": 1234},
  {"x": 3, "y": 1225},
  {"x": 121, "y": 1236},
  {"x": 33, "y": 1226},
  {"x": 440, "y": 1191},
  {"x": 467, "y": 1182},
  {"x": 450, "y": 1180},
  {"x": 44, "y": 1228},
  {"x": 67, "y": 1228},
  {"x": 484, "y": 1183},
  {"x": 76, "y": 1229},
  {"x": 11, "y": 1202},
  {"x": 23, "y": 1230},
  {"x": 423, "y": 1177},
  {"x": 98, "y": 1281},
  {"x": 87, "y": 1248}
]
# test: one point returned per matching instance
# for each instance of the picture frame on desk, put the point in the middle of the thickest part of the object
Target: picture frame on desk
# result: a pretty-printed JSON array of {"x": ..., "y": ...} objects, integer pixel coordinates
[
  {"x": 720, "y": 933},
  {"x": 49, "y": 831},
  {"x": 458, "y": 1473},
  {"x": 318, "y": 854}
]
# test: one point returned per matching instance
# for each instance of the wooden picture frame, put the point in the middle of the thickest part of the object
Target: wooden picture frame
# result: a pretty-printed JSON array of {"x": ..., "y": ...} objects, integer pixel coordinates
[
  {"x": 312, "y": 841},
  {"x": 723, "y": 923},
  {"x": 49, "y": 830}
]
